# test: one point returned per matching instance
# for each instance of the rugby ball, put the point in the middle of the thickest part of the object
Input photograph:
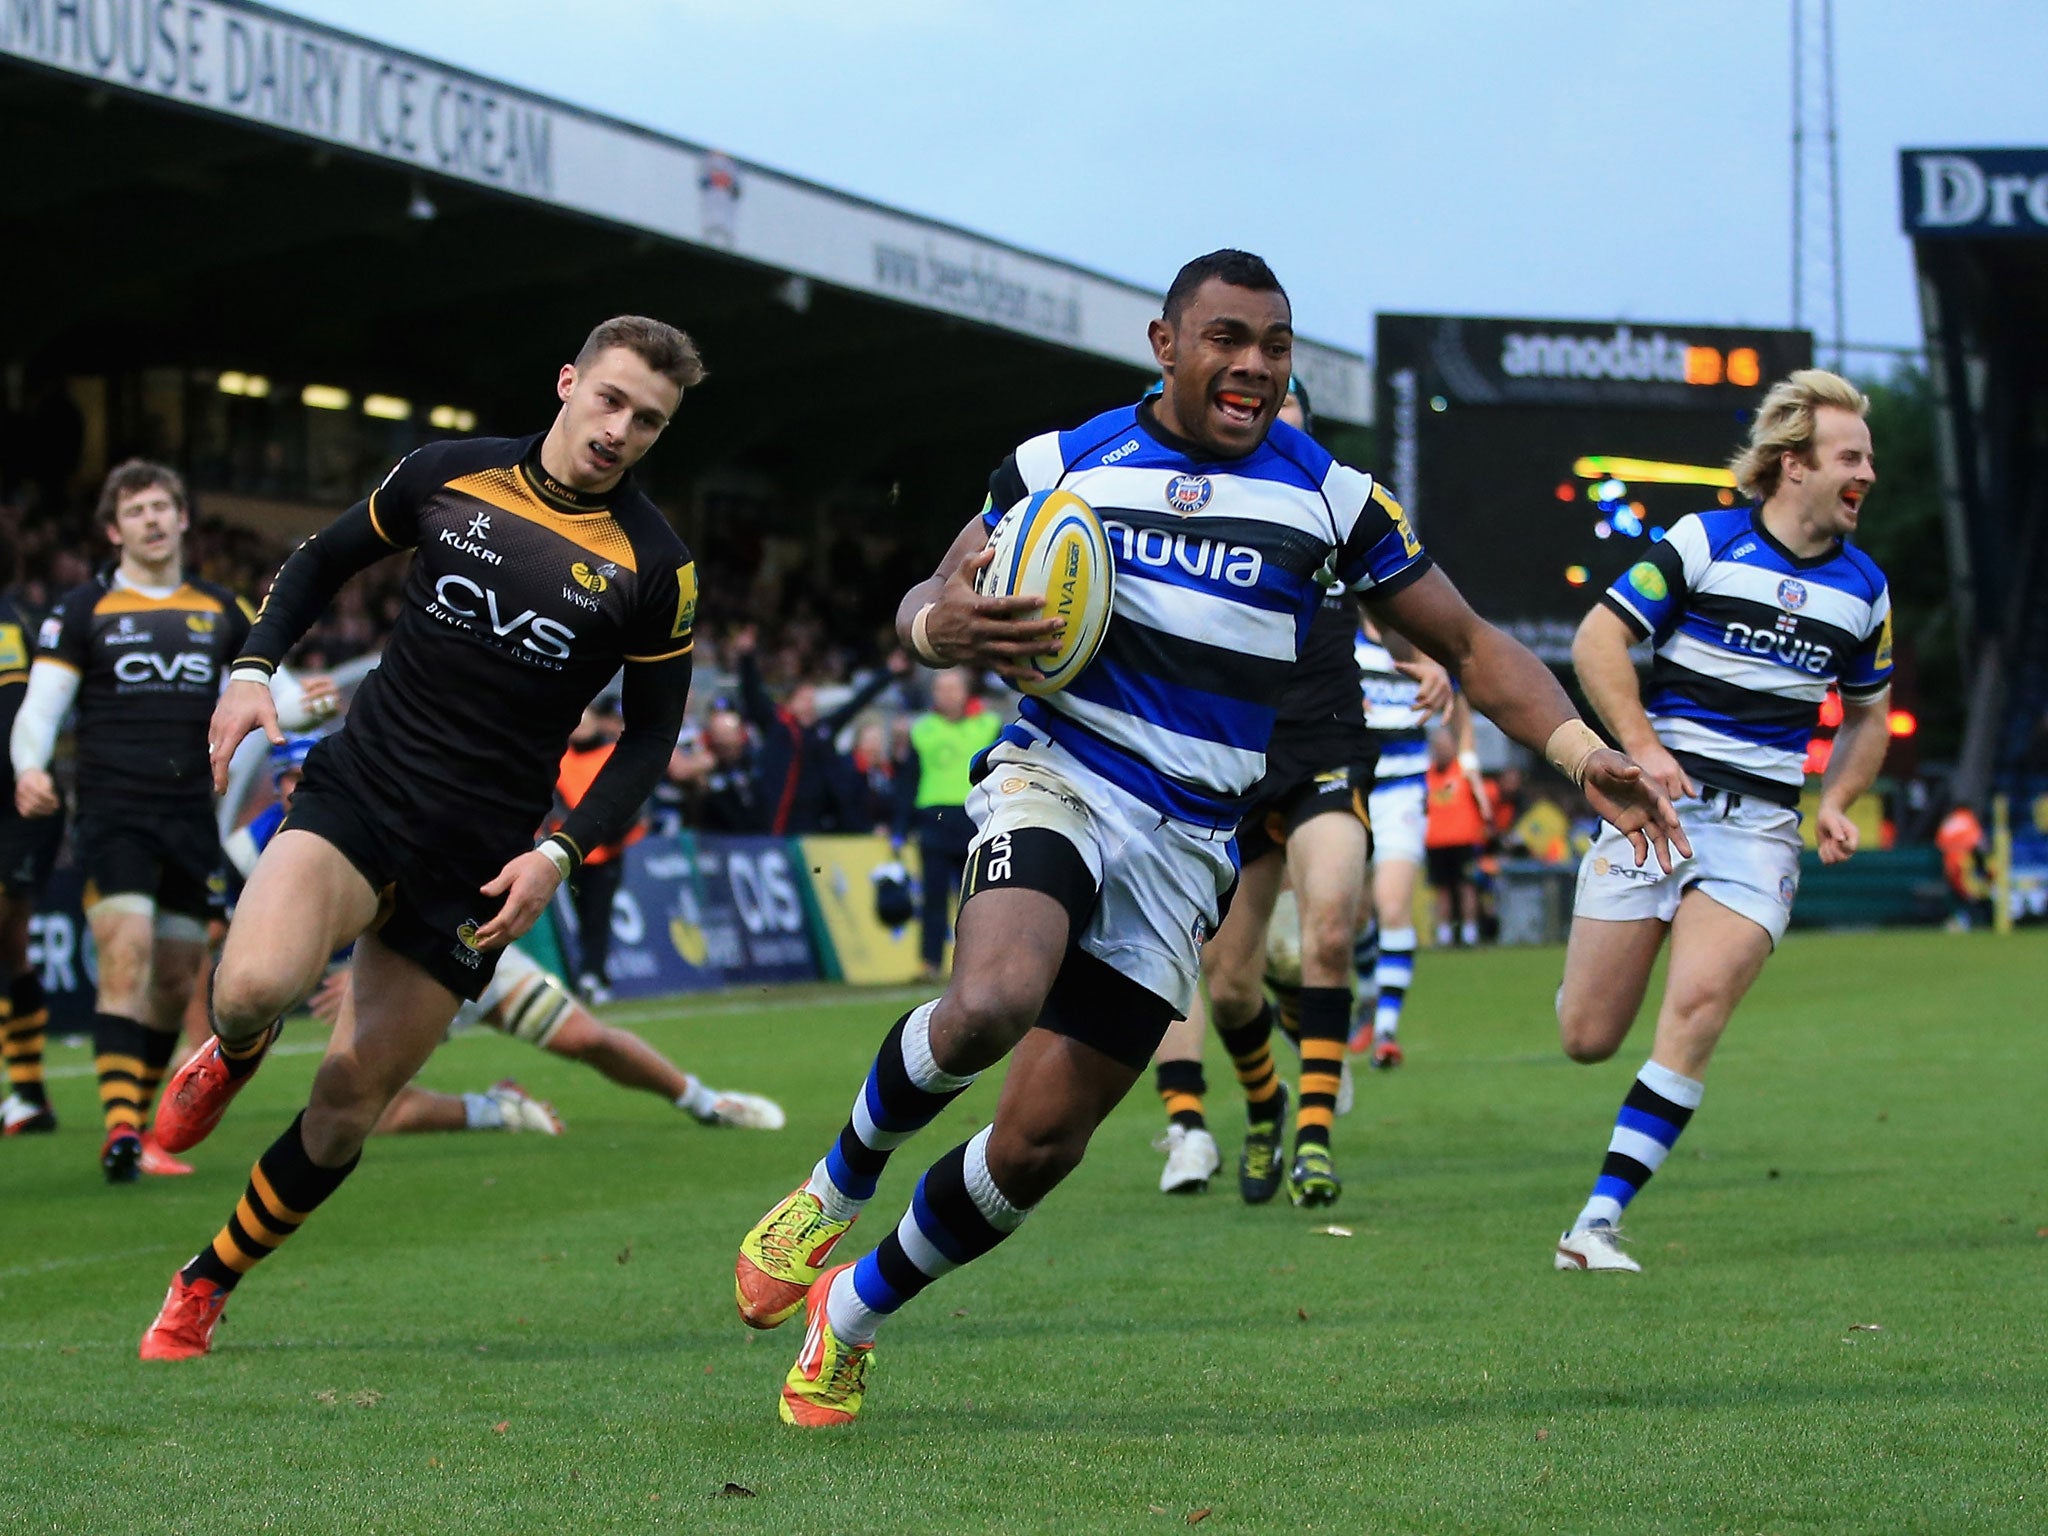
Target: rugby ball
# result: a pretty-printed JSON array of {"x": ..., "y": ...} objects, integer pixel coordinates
[{"x": 1051, "y": 545}]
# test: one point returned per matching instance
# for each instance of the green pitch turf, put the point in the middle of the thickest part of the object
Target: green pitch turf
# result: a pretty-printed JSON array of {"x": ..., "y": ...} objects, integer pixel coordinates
[{"x": 1840, "y": 1326}]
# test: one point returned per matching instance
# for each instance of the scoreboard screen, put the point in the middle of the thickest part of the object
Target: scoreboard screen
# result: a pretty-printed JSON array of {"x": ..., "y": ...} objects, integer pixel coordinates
[{"x": 1537, "y": 458}]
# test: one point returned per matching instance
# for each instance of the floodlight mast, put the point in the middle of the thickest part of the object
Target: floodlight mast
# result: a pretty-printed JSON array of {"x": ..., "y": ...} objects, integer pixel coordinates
[{"x": 1816, "y": 179}]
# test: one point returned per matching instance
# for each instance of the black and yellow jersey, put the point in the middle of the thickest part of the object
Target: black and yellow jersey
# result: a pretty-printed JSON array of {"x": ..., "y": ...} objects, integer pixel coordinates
[
  {"x": 524, "y": 598},
  {"x": 149, "y": 671},
  {"x": 16, "y": 629}
]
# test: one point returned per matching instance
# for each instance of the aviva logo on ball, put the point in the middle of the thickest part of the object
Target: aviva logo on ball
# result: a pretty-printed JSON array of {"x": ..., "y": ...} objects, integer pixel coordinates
[{"x": 1052, "y": 545}]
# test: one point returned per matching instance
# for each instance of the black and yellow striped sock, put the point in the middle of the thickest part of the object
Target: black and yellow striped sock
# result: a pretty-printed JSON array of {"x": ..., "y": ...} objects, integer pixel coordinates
[
  {"x": 1181, "y": 1087},
  {"x": 1325, "y": 1018},
  {"x": 158, "y": 1047},
  {"x": 285, "y": 1187},
  {"x": 28, "y": 1016},
  {"x": 1251, "y": 1053},
  {"x": 241, "y": 1060},
  {"x": 1286, "y": 1009},
  {"x": 120, "y": 1049}
]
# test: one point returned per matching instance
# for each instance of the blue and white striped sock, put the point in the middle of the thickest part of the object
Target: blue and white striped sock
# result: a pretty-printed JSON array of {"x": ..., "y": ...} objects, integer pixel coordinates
[
  {"x": 1659, "y": 1104},
  {"x": 956, "y": 1216},
  {"x": 905, "y": 1091},
  {"x": 1393, "y": 975}
]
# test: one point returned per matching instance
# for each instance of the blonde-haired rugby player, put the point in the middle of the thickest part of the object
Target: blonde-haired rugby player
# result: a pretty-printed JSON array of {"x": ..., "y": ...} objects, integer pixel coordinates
[{"x": 1754, "y": 613}]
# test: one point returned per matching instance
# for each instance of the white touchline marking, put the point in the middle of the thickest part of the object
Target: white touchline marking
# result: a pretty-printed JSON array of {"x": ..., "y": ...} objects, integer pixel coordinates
[
  {"x": 89, "y": 1258},
  {"x": 677, "y": 1010}
]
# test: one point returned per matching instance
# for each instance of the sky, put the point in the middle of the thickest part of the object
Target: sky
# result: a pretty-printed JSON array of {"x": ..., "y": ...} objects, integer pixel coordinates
[{"x": 1598, "y": 159}]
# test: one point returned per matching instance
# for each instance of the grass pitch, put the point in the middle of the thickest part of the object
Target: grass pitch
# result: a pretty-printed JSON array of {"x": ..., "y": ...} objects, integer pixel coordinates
[{"x": 1839, "y": 1327}]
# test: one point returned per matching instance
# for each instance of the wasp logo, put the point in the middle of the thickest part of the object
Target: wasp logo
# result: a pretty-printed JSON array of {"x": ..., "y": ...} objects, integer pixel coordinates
[
  {"x": 466, "y": 933},
  {"x": 592, "y": 579},
  {"x": 199, "y": 623}
]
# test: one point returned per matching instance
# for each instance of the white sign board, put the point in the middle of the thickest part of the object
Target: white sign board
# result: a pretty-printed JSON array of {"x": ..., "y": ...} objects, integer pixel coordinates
[{"x": 247, "y": 62}]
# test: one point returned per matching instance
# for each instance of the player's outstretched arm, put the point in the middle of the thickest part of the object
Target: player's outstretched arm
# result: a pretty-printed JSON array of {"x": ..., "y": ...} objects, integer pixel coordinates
[
  {"x": 1506, "y": 683},
  {"x": 52, "y": 685},
  {"x": 305, "y": 585},
  {"x": 944, "y": 622},
  {"x": 1859, "y": 750},
  {"x": 1600, "y": 657}
]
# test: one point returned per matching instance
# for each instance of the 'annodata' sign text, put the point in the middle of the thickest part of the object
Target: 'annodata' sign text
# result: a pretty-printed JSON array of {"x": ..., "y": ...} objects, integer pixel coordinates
[
  {"x": 262, "y": 67},
  {"x": 1974, "y": 192},
  {"x": 1471, "y": 360}
]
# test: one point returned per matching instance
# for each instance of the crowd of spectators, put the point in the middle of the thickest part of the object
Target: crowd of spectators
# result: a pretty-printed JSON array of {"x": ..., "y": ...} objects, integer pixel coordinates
[{"x": 796, "y": 726}]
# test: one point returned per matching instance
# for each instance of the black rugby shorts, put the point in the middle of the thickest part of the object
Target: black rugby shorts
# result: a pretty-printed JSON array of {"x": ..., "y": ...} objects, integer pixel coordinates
[
  {"x": 170, "y": 855},
  {"x": 427, "y": 875}
]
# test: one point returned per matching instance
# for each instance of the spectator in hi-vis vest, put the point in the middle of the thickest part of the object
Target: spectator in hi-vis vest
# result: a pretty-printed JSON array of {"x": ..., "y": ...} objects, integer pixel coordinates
[{"x": 932, "y": 798}]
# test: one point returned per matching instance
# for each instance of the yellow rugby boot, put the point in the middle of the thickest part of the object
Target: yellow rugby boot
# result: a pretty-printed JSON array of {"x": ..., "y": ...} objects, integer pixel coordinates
[
  {"x": 826, "y": 1385},
  {"x": 781, "y": 1257}
]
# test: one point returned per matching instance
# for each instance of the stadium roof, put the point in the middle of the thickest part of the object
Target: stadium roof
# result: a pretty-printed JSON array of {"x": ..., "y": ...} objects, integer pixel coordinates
[
  {"x": 303, "y": 87},
  {"x": 1978, "y": 219}
]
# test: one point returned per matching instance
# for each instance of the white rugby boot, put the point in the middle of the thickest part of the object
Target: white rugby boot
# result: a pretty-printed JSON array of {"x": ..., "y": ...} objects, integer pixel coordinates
[
  {"x": 522, "y": 1111},
  {"x": 1191, "y": 1160},
  {"x": 1594, "y": 1247},
  {"x": 747, "y": 1111}
]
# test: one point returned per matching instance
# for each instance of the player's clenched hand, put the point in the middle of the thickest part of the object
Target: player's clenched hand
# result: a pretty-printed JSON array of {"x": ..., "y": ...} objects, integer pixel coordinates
[
  {"x": 243, "y": 707},
  {"x": 1836, "y": 834},
  {"x": 319, "y": 696},
  {"x": 325, "y": 1003},
  {"x": 1002, "y": 634},
  {"x": 35, "y": 793},
  {"x": 1432, "y": 684},
  {"x": 528, "y": 884},
  {"x": 1630, "y": 801},
  {"x": 1662, "y": 770}
]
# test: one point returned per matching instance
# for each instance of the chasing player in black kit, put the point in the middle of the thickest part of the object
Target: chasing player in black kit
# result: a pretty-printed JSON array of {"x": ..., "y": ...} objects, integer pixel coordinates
[
  {"x": 539, "y": 569},
  {"x": 141, "y": 649},
  {"x": 28, "y": 850},
  {"x": 1318, "y": 765}
]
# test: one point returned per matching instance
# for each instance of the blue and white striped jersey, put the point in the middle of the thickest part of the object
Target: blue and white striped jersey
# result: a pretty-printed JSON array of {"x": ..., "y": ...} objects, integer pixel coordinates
[
  {"x": 1390, "y": 712},
  {"x": 1748, "y": 638},
  {"x": 1220, "y": 566}
]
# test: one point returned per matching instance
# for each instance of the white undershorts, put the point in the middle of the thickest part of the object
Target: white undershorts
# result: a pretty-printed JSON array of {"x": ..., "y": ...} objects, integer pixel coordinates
[
  {"x": 1400, "y": 816},
  {"x": 1745, "y": 855},
  {"x": 1161, "y": 881},
  {"x": 515, "y": 969}
]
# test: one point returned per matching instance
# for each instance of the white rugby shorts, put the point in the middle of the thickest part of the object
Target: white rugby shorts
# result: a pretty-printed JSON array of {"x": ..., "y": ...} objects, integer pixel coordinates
[
  {"x": 1400, "y": 817},
  {"x": 1160, "y": 881},
  {"x": 1745, "y": 855}
]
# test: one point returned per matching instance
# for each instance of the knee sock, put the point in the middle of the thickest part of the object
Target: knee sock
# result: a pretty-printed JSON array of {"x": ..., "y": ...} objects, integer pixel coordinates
[
  {"x": 120, "y": 1048},
  {"x": 1365, "y": 955},
  {"x": 1325, "y": 1020},
  {"x": 27, "y": 1017},
  {"x": 1659, "y": 1104},
  {"x": 956, "y": 1216},
  {"x": 285, "y": 1187},
  {"x": 904, "y": 1093},
  {"x": 1251, "y": 1052},
  {"x": 1286, "y": 1010},
  {"x": 158, "y": 1047},
  {"x": 242, "y": 1059},
  {"x": 1181, "y": 1088},
  {"x": 1392, "y": 977}
]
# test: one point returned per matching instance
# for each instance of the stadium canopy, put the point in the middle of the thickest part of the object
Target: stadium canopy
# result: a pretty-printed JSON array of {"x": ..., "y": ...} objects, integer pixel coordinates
[
  {"x": 207, "y": 193},
  {"x": 1978, "y": 219}
]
